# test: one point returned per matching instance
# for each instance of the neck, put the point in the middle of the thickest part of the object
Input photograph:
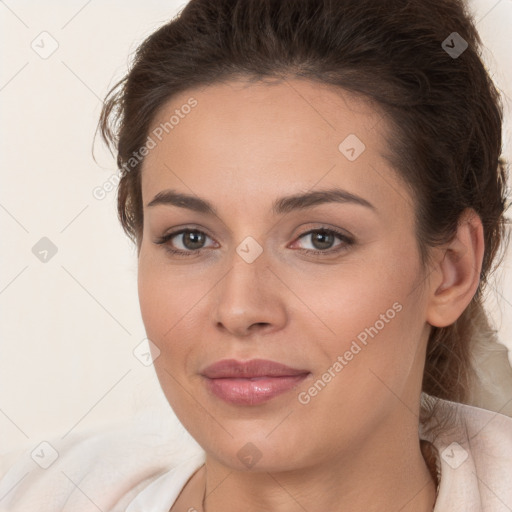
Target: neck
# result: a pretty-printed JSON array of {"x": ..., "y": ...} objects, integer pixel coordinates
[{"x": 379, "y": 476}]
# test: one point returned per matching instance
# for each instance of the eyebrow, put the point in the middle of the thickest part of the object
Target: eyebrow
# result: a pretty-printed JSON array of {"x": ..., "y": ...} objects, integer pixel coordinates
[{"x": 286, "y": 204}]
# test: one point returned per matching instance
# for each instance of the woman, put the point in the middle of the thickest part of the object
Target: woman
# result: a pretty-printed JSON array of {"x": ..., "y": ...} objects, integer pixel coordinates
[{"x": 317, "y": 197}]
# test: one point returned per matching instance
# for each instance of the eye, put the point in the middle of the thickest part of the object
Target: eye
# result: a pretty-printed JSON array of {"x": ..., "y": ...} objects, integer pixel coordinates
[
  {"x": 192, "y": 241},
  {"x": 323, "y": 238}
]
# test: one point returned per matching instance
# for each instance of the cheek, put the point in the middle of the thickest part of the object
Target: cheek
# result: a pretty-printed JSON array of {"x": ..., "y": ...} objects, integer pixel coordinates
[
  {"x": 155, "y": 310},
  {"x": 164, "y": 296},
  {"x": 353, "y": 296},
  {"x": 163, "y": 313},
  {"x": 160, "y": 310},
  {"x": 370, "y": 311},
  {"x": 170, "y": 305}
]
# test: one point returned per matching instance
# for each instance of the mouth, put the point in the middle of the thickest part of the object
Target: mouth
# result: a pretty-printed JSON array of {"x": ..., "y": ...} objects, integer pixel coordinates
[{"x": 252, "y": 382}]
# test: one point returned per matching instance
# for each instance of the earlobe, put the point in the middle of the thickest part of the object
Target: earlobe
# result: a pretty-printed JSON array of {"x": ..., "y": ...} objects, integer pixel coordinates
[{"x": 458, "y": 268}]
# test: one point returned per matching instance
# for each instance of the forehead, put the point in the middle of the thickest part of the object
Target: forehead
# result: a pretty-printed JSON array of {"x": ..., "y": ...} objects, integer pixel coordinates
[{"x": 267, "y": 139}]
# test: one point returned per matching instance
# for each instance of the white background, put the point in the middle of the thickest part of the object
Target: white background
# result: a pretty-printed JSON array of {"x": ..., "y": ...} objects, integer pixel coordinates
[{"x": 68, "y": 326}]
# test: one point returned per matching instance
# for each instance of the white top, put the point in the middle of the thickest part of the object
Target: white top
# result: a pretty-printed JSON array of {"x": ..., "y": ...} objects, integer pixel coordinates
[{"x": 142, "y": 466}]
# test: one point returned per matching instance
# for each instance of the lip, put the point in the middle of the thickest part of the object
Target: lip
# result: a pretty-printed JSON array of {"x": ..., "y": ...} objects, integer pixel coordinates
[{"x": 251, "y": 382}]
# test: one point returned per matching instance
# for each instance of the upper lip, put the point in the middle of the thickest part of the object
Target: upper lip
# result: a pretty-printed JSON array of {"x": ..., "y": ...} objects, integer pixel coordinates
[{"x": 231, "y": 368}]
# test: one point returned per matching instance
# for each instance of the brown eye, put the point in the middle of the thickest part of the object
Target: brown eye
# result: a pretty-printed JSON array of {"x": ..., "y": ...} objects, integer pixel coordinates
[
  {"x": 323, "y": 239},
  {"x": 192, "y": 241}
]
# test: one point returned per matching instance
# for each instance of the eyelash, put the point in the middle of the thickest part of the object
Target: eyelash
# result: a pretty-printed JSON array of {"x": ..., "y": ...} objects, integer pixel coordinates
[{"x": 347, "y": 241}]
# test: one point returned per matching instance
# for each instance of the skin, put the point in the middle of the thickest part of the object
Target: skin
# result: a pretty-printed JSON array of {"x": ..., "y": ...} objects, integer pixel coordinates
[{"x": 354, "y": 446}]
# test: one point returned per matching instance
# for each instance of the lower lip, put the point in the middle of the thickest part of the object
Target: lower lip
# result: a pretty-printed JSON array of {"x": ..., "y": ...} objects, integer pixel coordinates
[{"x": 252, "y": 392}]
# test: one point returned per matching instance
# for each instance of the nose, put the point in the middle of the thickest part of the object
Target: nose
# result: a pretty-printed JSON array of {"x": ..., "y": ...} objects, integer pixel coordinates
[{"x": 250, "y": 299}]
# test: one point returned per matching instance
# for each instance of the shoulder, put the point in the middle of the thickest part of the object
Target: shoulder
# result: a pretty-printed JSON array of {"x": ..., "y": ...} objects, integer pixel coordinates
[
  {"x": 475, "y": 458},
  {"x": 96, "y": 470}
]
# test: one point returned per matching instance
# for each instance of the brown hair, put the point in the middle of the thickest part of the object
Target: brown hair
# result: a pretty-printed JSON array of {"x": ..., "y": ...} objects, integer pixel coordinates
[{"x": 444, "y": 112}]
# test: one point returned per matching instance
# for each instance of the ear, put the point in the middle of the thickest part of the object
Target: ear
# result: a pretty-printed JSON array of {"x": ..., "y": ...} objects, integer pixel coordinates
[{"x": 456, "y": 272}]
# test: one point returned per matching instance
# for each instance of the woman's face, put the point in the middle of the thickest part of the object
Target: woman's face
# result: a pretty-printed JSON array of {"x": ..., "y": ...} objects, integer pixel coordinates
[{"x": 350, "y": 319}]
